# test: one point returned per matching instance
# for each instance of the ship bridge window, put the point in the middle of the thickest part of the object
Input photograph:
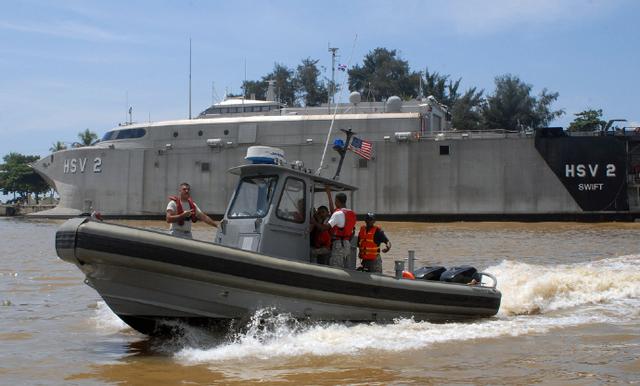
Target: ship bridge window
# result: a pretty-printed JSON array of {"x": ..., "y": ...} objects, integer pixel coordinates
[
  {"x": 253, "y": 197},
  {"x": 124, "y": 134},
  {"x": 444, "y": 150}
]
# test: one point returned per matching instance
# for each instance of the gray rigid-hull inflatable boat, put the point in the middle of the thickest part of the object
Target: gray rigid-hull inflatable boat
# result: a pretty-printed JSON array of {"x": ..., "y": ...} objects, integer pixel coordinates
[{"x": 259, "y": 259}]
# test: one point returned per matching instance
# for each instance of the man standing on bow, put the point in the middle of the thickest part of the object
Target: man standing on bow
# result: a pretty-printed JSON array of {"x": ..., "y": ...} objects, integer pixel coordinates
[{"x": 182, "y": 211}]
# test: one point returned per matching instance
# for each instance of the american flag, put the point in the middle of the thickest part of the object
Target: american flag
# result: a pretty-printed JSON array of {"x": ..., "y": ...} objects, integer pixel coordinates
[{"x": 361, "y": 147}]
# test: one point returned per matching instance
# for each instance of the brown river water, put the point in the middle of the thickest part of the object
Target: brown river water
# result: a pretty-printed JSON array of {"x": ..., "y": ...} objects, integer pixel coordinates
[{"x": 570, "y": 314}]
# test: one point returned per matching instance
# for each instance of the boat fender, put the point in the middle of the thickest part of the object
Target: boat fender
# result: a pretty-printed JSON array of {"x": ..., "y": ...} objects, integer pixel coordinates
[{"x": 408, "y": 275}]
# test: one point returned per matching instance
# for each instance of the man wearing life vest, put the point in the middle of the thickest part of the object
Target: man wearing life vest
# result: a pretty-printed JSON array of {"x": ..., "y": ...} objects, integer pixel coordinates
[
  {"x": 320, "y": 238},
  {"x": 342, "y": 223},
  {"x": 182, "y": 211},
  {"x": 369, "y": 240}
]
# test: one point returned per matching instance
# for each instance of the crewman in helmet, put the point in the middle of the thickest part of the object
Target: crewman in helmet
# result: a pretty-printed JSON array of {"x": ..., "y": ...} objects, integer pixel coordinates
[{"x": 369, "y": 240}]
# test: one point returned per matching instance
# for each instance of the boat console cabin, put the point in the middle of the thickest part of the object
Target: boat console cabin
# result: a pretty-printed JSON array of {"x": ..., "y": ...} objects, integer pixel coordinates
[{"x": 270, "y": 211}]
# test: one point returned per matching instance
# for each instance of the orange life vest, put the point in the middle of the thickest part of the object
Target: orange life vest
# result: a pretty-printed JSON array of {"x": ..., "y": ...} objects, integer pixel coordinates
[
  {"x": 368, "y": 249},
  {"x": 349, "y": 225},
  {"x": 192, "y": 206}
]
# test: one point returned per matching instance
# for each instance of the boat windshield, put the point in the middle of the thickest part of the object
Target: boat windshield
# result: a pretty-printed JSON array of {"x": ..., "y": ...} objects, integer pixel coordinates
[{"x": 253, "y": 197}]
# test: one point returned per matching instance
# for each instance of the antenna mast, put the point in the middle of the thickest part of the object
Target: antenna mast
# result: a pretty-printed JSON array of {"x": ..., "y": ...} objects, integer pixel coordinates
[
  {"x": 332, "y": 88},
  {"x": 189, "y": 78}
]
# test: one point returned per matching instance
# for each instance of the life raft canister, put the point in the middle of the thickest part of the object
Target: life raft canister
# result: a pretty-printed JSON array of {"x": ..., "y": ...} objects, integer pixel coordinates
[
  {"x": 349, "y": 225},
  {"x": 192, "y": 206},
  {"x": 368, "y": 249}
]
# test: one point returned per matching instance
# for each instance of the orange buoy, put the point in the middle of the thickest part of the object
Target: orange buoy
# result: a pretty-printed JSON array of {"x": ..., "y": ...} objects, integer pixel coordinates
[{"x": 408, "y": 275}]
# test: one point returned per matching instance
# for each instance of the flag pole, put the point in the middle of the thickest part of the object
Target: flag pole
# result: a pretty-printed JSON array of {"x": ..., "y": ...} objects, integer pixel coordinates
[{"x": 342, "y": 151}]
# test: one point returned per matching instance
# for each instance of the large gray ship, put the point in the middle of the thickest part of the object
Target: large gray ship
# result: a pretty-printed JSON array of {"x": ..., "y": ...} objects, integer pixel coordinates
[{"x": 421, "y": 169}]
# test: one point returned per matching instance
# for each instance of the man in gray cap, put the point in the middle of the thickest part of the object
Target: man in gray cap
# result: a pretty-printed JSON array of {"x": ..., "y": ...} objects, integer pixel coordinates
[{"x": 369, "y": 240}]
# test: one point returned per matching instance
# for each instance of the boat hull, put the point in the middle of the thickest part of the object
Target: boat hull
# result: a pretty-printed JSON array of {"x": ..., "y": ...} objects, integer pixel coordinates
[{"x": 146, "y": 277}]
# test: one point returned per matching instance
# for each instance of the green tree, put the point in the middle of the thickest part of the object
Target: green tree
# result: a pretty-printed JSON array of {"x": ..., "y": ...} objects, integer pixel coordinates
[
  {"x": 466, "y": 112},
  {"x": 17, "y": 177},
  {"x": 257, "y": 88},
  {"x": 308, "y": 86},
  {"x": 441, "y": 87},
  {"x": 86, "y": 137},
  {"x": 587, "y": 120},
  {"x": 383, "y": 74},
  {"x": 512, "y": 106},
  {"x": 284, "y": 84},
  {"x": 57, "y": 146}
]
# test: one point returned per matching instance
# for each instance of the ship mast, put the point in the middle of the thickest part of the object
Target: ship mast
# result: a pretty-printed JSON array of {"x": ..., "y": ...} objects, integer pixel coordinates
[
  {"x": 332, "y": 87},
  {"x": 189, "y": 78}
]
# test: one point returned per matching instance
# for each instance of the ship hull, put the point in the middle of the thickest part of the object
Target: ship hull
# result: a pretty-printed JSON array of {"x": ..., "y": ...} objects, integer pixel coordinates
[{"x": 454, "y": 176}]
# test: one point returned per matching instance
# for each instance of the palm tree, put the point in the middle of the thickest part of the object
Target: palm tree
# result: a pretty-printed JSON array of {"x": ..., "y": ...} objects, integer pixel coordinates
[
  {"x": 87, "y": 137},
  {"x": 57, "y": 146}
]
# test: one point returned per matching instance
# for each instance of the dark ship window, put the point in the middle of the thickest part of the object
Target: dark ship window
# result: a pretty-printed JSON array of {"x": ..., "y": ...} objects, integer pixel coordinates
[
  {"x": 226, "y": 132},
  {"x": 124, "y": 134},
  {"x": 204, "y": 166},
  {"x": 444, "y": 150},
  {"x": 200, "y": 133},
  {"x": 362, "y": 163},
  {"x": 175, "y": 134}
]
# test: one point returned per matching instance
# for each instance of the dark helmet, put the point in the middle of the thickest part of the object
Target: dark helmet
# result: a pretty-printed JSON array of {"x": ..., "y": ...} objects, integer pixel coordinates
[{"x": 370, "y": 217}]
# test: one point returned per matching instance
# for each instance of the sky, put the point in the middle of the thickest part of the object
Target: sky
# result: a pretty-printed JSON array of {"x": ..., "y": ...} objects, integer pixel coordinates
[{"x": 66, "y": 66}]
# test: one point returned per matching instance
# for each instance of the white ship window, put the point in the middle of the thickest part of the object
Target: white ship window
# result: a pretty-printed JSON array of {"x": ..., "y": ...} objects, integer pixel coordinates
[
  {"x": 444, "y": 149},
  {"x": 292, "y": 205}
]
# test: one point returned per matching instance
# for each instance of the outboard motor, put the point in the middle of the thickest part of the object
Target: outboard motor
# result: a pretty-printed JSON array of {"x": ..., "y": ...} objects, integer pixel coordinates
[
  {"x": 429, "y": 273},
  {"x": 463, "y": 274}
]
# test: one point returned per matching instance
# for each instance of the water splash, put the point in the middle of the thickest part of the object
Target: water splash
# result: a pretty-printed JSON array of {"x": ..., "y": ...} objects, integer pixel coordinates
[
  {"x": 536, "y": 299},
  {"x": 106, "y": 321},
  {"x": 536, "y": 289}
]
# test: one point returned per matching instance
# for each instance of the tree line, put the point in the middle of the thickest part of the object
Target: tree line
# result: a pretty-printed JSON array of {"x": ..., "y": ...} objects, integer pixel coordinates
[
  {"x": 20, "y": 180},
  {"x": 383, "y": 73}
]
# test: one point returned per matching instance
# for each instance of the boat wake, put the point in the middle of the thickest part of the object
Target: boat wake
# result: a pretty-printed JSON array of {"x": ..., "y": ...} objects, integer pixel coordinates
[
  {"x": 536, "y": 299},
  {"x": 536, "y": 289}
]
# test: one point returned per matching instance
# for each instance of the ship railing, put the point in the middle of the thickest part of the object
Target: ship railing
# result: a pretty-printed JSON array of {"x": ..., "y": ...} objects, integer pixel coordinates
[{"x": 468, "y": 134}]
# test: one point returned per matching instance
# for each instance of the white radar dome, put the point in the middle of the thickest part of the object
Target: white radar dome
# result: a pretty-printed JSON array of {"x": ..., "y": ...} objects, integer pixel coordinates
[
  {"x": 355, "y": 98},
  {"x": 394, "y": 104},
  {"x": 265, "y": 155}
]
